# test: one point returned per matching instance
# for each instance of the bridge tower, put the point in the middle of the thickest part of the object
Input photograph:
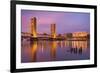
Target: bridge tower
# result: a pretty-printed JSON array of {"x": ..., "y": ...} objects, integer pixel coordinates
[
  {"x": 53, "y": 30},
  {"x": 34, "y": 26}
]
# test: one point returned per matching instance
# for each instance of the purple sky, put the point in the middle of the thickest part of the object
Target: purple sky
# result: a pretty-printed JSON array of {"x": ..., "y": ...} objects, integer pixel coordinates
[{"x": 66, "y": 22}]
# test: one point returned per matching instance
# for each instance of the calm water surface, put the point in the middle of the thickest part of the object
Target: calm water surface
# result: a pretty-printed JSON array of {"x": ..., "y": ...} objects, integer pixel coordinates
[{"x": 41, "y": 51}]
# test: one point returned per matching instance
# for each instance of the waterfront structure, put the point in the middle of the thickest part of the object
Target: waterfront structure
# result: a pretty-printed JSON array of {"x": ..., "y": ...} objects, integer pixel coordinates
[
  {"x": 77, "y": 36},
  {"x": 80, "y": 34},
  {"x": 53, "y": 30}
]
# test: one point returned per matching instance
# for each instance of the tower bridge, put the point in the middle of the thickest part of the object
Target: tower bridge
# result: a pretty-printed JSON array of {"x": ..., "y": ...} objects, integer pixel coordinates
[{"x": 32, "y": 33}]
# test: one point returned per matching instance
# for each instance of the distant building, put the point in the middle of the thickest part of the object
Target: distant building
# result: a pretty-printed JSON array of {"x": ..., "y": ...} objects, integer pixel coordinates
[
  {"x": 34, "y": 27},
  {"x": 80, "y": 34},
  {"x": 68, "y": 36},
  {"x": 77, "y": 36},
  {"x": 53, "y": 30}
]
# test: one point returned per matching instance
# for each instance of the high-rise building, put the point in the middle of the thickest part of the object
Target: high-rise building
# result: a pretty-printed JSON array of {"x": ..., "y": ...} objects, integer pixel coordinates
[
  {"x": 53, "y": 30},
  {"x": 34, "y": 27}
]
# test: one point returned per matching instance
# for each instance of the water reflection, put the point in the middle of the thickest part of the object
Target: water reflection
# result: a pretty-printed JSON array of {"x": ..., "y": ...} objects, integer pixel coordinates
[
  {"x": 53, "y": 49},
  {"x": 40, "y": 51},
  {"x": 34, "y": 50}
]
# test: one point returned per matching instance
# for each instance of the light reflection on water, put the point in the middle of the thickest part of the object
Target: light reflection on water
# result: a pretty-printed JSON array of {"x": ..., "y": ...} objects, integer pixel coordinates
[{"x": 41, "y": 51}]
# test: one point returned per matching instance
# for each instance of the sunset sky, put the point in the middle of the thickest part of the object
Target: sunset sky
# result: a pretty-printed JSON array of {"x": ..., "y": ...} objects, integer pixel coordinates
[{"x": 66, "y": 22}]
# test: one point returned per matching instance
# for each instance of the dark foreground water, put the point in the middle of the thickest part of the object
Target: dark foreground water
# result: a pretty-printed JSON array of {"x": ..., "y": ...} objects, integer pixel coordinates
[{"x": 41, "y": 51}]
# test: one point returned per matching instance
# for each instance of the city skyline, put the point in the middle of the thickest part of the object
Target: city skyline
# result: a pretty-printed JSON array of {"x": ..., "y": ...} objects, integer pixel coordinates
[
  {"x": 65, "y": 21},
  {"x": 54, "y": 36}
]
